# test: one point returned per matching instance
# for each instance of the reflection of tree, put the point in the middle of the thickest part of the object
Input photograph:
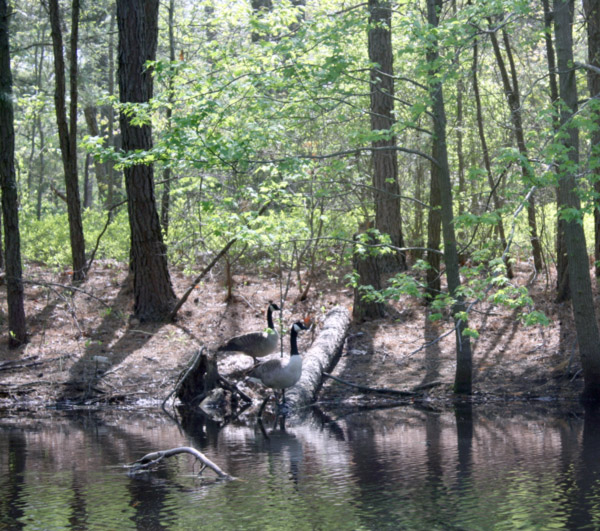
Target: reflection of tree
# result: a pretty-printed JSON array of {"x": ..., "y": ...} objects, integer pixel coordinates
[
  {"x": 12, "y": 484},
  {"x": 585, "y": 512},
  {"x": 464, "y": 439}
]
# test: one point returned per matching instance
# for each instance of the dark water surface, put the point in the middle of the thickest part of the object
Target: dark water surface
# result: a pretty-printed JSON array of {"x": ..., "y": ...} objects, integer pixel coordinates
[{"x": 394, "y": 469}]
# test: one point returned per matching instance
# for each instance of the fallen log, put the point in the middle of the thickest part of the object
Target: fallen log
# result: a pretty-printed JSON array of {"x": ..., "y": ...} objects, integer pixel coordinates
[
  {"x": 321, "y": 357},
  {"x": 153, "y": 458}
]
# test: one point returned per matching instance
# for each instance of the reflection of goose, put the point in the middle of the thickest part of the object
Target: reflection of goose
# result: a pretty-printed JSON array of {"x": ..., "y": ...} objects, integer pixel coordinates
[
  {"x": 284, "y": 446},
  {"x": 280, "y": 373},
  {"x": 256, "y": 344}
]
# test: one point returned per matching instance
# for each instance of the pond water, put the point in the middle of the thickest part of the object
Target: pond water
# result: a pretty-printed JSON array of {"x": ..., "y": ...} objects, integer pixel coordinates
[{"x": 401, "y": 468}]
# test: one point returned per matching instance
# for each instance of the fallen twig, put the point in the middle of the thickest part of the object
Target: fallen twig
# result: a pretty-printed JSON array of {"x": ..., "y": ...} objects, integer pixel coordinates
[
  {"x": 13, "y": 364},
  {"x": 370, "y": 389},
  {"x": 154, "y": 458}
]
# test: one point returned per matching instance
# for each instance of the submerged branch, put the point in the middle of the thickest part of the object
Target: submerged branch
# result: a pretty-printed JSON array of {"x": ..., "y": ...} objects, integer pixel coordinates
[{"x": 153, "y": 458}]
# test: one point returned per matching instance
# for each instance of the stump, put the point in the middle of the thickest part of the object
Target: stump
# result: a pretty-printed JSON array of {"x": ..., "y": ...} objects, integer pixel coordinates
[{"x": 199, "y": 379}]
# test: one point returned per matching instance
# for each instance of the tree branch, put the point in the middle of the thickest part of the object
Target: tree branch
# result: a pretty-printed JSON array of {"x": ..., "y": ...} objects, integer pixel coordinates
[{"x": 154, "y": 458}]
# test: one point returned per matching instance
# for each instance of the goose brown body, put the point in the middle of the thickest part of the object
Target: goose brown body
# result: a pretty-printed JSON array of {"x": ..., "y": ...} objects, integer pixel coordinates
[{"x": 256, "y": 344}]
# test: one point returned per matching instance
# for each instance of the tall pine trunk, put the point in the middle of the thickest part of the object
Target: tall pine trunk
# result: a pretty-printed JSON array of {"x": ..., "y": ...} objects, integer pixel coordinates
[
  {"x": 154, "y": 297},
  {"x": 17, "y": 327},
  {"x": 385, "y": 157},
  {"x": 592, "y": 17},
  {"x": 588, "y": 336}
]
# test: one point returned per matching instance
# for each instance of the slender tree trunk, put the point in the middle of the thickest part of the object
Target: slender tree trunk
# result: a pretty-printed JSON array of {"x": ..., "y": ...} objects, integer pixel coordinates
[
  {"x": 419, "y": 238},
  {"x": 486, "y": 159},
  {"x": 385, "y": 161},
  {"x": 166, "y": 195},
  {"x": 154, "y": 297},
  {"x": 67, "y": 132},
  {"x": 592, "y": 17},
  {"x": 259, "y": 7},
  {"x": 513, "y": 99},
  {"x": 90, "y": 112},
  {"x": 562, "y": 267},
  {"x": 17, "y": 327},
  {"x": 588, "y": 336},
  {"x": 110, "y": 167},
  {"x": 463, "y": 376},
  {"x": 434, "y": 231}
]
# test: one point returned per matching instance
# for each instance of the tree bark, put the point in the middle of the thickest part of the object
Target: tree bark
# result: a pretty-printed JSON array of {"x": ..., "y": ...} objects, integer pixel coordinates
[
  {"x": 592, "y": 17},
  {"x": 487, "y": 162},
  {"x": 562, "y": 267},
  {"x": 463, "y": 376},
  {"x": 320, "y": 357},
  {"x": 259, "y": 7},
  {"x": 67, "y": 131},
  {"x": 100, "y": 168},
  {"x": 367, "y": 268},
  {"x": 17, "y": 327},
  {"x": 154, "y": 297},
  {"x": 513, "y": 98},
  {"x": 166, "y": 195},
  {"x": 385, "y": 162},
  {"x": 588, "y": 336}
]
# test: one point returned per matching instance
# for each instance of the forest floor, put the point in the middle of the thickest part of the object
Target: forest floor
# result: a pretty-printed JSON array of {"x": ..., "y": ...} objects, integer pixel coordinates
[{"x": 83, "y": 345}]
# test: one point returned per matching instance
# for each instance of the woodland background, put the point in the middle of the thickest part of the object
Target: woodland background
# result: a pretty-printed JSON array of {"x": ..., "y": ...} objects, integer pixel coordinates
[{"x": 403, "y": 149}]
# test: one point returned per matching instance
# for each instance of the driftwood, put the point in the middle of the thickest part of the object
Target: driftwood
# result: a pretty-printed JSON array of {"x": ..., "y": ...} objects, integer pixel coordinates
[
  {"x": 153, "y": 458},
  {"x": 320, "y": 357}
]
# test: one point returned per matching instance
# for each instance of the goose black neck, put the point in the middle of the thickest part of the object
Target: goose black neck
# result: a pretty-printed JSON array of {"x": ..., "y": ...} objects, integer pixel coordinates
[
  {"x": 293, "y": 342},
  {"x": 270, "y": 317}
]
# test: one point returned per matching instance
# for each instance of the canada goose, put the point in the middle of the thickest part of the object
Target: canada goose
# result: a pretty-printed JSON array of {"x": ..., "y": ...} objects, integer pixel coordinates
[
  {"x": 256, "y": 344},
  {"x": 280, "y": 373}
]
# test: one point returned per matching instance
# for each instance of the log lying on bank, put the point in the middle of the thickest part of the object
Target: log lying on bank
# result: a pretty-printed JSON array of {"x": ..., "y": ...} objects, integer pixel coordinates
[
  {"x": 320, "y": 357},
  {"x": 153, "y": 458}
]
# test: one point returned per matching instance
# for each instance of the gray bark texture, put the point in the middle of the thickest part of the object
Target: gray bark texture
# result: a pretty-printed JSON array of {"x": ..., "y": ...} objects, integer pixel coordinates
[
  {"x": 464, "y": 371},
  {"x": 320, "y": 357},
  {"x": 385, "y": 162},
  {"x": 588, "y": 335},
  {"x": 138, "y": 32},
  {"x": 10, "y": 204}
]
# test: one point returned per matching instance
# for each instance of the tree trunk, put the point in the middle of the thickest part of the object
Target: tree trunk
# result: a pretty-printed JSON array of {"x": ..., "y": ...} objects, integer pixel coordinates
[
  {"x": 592, "y": 17},
  {"x": 562, "y": 267},
  {"x": 17, "y": 327},
  {"x": 154, "y": 297},
  {"x": 487, "y": 162},
  {"x": 67, "y": 132},
  {"x": 166, "y": 195},
  {"x": 90, "y": 112},
  {"x": 434, "y": 232},
  {"x": 385, "y": 161},
  {"x": 588, "y": 336},
  {"x": 463, "y": 376},
  {"x": 112, "y": 176},
  {"x": 259, "y": 7},
  {"x": 367, "y": 267},
  {"x": 513, "y": 99}
]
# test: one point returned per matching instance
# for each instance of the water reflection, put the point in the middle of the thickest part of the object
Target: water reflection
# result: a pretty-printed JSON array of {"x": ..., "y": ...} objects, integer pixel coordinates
[{"x": 465, "y": 468}]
